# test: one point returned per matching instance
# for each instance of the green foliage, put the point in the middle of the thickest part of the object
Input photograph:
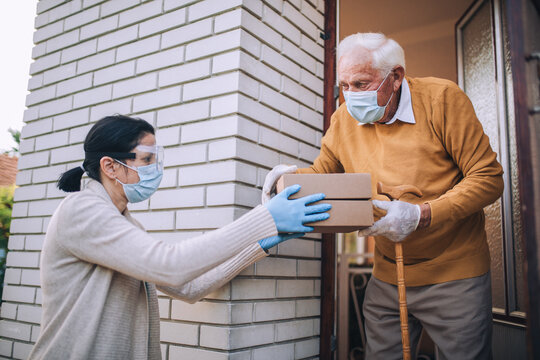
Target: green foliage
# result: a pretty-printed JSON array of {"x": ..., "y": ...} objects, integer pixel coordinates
[
  {"x": 16, "y": 135},
  {"x": 6, "y": 205}
]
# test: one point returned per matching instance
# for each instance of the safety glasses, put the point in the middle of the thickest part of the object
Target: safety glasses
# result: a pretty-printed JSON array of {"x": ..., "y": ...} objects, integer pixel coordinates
[
  {"x": 146, "y": 154},
  {"x": 150, "y": 154}
]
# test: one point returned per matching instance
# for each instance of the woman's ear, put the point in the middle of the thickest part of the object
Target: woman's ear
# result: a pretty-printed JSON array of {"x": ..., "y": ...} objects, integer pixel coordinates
[{"x": 108, "y": 167}]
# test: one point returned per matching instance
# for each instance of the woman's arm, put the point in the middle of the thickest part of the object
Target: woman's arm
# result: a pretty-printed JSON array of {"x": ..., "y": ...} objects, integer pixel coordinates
[
  {"x": 212, "y": 280},
  {"x": 92, "y": 229}
]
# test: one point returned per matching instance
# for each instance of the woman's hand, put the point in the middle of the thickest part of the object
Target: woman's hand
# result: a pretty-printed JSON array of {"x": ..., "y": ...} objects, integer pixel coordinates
[{"x": 291, "y": 215}]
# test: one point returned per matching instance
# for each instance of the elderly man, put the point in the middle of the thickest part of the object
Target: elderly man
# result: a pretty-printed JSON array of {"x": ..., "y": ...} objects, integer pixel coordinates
[{"x": 424, "y": 132}]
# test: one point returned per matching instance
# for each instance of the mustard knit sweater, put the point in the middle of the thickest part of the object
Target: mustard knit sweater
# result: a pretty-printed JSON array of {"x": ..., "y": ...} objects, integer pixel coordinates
[{"x": 448, "y": 156}]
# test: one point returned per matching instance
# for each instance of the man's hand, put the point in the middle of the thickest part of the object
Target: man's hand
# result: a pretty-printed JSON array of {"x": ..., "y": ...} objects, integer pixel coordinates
[
  {"x": 272, "y": 177},
  {"x": 401, "y": 219}
]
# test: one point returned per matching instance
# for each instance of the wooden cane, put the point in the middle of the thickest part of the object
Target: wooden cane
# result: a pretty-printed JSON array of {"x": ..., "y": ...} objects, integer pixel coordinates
[{"x": 394, "y": 193}]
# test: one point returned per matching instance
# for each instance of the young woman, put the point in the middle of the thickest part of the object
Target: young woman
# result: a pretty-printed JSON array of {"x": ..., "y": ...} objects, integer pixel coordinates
[{"x": 99, "y": 266}]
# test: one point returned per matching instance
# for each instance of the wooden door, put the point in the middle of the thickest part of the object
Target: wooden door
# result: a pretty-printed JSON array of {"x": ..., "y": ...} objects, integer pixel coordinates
[
  {"x": 487, "y": 73},
  {"x": 523, "y": 19}
]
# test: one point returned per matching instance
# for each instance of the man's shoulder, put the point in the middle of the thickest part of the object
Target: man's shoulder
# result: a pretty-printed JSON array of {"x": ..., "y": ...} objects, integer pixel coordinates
[
  {"x": 343, "y": 115},
  {"x": 341, "y": 110},
  {"x": 431, "y": 84},
  {"x": 433, "y": 89}
]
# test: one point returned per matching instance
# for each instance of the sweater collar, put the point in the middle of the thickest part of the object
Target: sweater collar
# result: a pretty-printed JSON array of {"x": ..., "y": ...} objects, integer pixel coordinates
[
  {"x": 97, "y": 188},
  {"x": 404, "y": 112}
]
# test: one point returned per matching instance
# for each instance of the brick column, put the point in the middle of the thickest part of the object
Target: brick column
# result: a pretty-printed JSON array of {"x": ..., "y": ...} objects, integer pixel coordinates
[{"x": 233, "y": 87}]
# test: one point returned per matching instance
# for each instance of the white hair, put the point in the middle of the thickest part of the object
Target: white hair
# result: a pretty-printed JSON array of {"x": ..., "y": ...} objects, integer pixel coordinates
[{"x": 386, "y": 53}]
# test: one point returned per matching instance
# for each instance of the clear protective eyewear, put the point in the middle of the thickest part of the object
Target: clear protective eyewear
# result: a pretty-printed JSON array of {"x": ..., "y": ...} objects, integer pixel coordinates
[
  {"x": 146, "y": 154},
  {"x": 150, "y": 154}
]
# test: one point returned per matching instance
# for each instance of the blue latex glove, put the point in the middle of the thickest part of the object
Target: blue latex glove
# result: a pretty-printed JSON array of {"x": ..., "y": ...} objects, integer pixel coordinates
[
  {"x": 272, "y": 241},
  {"x": 290, "y": 215}
]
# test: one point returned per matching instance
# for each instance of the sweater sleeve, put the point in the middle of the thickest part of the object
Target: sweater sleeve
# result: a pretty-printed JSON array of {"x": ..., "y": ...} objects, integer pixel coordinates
[
  {"x": 326, "y": 162},
  {"x": 464, "y": 139},
  {"x": 93, "y": 230},
  {"x": 212, "y": 280}
]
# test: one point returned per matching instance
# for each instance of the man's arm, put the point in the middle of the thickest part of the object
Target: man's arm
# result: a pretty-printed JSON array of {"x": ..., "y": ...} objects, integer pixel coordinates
[
  {"x": 463, "y": 137},
  {"x": 327, "y": 161}
]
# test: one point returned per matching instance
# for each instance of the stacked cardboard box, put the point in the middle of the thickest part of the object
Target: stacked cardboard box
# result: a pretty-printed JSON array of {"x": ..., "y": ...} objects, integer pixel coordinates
[{"x": 349, "y": 195}]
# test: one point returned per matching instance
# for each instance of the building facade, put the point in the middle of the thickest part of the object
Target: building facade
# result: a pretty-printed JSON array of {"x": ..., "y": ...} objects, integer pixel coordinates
[{"x": 233, "y": 88}]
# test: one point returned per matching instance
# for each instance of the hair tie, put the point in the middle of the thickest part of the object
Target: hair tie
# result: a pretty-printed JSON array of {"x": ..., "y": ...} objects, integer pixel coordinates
[{"x": 83, "y": 169}]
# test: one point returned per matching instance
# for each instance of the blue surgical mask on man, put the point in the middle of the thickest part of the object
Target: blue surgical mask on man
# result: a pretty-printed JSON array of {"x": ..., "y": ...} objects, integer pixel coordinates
[
  {"x": 363, "y": 106},
  {"x": 149, "y": 179}
]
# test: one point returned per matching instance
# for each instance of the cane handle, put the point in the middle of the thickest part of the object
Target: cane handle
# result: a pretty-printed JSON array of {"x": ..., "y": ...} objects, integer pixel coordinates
[{"x": 396, "y": 192}]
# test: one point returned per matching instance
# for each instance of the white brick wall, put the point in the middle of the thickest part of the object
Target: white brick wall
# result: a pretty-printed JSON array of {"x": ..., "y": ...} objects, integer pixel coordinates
[{"x": 233, "y": 87}]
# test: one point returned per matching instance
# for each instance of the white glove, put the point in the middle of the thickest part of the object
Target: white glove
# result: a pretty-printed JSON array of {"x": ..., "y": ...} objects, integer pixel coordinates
[
  {"x": 401, "y": 219},
  {"x": 272, "y": 177}
]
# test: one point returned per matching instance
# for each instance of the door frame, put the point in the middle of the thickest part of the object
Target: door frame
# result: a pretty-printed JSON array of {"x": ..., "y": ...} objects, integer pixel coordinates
[
  {"x": 509, "y": 314},
  {"x": 531, "y": 244},
  {"x": 514, "y": 10},
  {"x": 327, "y": 344}
]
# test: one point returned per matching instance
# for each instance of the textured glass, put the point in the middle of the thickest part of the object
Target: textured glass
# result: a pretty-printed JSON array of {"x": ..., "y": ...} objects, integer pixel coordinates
[
  {"x": 480, "y": 86},
  {"x": 512, "y": 152}
]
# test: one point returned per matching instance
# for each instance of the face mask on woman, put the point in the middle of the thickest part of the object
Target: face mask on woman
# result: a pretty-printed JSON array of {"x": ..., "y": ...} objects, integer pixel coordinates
[
  {"x": 150, "y": 178},
  {"x": 363, "y": 106},
  {"x": 149, "y": 175}
]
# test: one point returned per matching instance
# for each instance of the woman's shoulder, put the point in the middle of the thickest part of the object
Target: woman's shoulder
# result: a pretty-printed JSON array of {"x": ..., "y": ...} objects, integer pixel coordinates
[
  {"x": 77, "y": 197},
  {"x": 79, "y": 215},
  {"x": 85, "y": 200}
]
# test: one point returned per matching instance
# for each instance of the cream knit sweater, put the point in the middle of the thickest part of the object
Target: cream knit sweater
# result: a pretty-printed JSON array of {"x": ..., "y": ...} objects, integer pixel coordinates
[{"x": 99, "y": 267}]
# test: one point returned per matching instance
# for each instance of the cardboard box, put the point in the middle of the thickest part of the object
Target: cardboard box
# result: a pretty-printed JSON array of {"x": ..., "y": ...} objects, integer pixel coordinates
[
  {"x": 345, "y": 216},
  {"x": 349, "y": 195},
  {"x": 334, "y": 186}
]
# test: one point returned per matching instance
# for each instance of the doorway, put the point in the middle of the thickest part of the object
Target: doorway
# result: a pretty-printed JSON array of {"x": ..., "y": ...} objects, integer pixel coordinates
[
  {"x": 432, "y": 35},
  {"x": 424, "y": 28}
]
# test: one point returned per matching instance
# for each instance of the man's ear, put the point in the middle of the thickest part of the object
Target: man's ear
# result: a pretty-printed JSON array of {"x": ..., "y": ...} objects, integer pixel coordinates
[
  {"x": 399, "y": 75},
  {"x": 108, "y": 167}
]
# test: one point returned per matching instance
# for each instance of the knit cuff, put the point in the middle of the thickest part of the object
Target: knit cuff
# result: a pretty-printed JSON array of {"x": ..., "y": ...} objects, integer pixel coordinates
[
  {"x": 261, "y": 223},
  {"x": 246, "y": 257},
  {"x": 441, "y": 211},
  {"x": 253, "y": 226}
]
